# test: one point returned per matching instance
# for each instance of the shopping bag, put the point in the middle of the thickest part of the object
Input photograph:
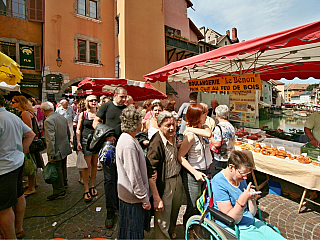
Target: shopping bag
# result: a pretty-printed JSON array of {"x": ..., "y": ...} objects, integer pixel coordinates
[
  {"x": 50, "y": 174},
  {"x": 29, "y": 168},
  {"x": 81, "y": 162}
]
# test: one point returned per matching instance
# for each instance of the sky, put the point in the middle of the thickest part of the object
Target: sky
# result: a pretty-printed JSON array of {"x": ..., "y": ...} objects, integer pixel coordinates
[{"x": 255, "y": 18}]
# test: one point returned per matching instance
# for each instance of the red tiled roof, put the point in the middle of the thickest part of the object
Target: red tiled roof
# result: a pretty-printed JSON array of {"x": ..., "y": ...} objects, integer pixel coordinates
[
  {"x": 296, "y": 86},
  {"x": 296, "y": 94}
]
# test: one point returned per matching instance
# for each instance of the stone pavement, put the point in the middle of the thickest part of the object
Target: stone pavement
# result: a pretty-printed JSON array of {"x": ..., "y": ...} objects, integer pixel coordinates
[{"x": 72, "y": 218}]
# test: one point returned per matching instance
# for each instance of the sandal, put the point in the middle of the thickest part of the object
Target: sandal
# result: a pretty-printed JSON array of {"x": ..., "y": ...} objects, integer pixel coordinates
[
  {"x": 21, "y": 234},
  {"x": 88, "y": 199},
  {"x": 93, "y": 190}
]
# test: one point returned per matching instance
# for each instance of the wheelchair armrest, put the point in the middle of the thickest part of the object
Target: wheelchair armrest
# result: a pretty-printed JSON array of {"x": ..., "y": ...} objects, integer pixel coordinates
[{"x": 229, "y": 221}]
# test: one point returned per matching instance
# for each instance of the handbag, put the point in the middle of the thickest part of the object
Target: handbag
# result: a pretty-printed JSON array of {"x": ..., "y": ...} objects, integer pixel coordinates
[
  {"x": 50, "y": 174},
  {"x": 38, "y": 145},
  {"x": 30, "y": 167},
  {"x": 222, "y": 150},
  {"x": 39, "y": 142},
  {"x": 81, "y": 162}
]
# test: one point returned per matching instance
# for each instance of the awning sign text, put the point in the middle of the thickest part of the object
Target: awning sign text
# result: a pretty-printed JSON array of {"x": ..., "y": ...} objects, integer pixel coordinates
[{"x": 247, "y": 82}]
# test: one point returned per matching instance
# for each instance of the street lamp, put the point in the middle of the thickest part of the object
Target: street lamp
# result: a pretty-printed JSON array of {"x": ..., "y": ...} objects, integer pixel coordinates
[{"x": 59, "y": 60}]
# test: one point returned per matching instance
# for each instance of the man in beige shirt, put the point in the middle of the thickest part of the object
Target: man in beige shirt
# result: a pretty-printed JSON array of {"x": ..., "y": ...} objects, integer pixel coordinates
[{"x": 167, "y": 189}]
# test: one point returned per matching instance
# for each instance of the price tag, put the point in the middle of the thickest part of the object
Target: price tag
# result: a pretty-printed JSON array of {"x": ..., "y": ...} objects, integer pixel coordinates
[
  {"x": 250, "y": 142},
  {"x": 304, "y": 154}
]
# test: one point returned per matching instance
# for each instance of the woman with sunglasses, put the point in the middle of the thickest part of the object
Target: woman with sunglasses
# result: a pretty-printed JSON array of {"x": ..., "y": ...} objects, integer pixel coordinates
[
  {"x": 84, "y": 128},
  {"x": 29, "y": 118},
  {"x": 232, "y": 196}
]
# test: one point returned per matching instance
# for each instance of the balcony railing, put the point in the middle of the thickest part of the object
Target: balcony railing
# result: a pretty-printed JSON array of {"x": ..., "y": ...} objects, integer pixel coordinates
[{"x": 182, "y": 44}]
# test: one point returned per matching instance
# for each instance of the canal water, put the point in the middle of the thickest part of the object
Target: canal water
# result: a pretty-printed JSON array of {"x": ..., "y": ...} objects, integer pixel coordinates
[{"x": 275, "y": 122}]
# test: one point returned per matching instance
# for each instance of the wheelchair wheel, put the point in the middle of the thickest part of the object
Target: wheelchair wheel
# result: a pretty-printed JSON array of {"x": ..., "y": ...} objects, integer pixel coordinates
[{"x": 207, "y": 230}]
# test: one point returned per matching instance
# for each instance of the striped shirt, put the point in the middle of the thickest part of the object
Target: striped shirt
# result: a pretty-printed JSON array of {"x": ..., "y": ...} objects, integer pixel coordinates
[{"x": 172, "y": 164}]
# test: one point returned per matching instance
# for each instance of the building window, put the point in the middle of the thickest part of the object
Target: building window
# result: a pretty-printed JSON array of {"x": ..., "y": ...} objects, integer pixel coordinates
[
  {"x": 87, "y": 49},
  {"x": 9, "y": 49},
  {"x": 18, "y": 8},
  {"x": 82, "y": 7},
  {"x": 117, "y": 27},
  {"x": 117, "y": 67},
  {"x": 93, "y": 52},
  {"x": 3, "y": 7},
  {"x": 82, "y": 51},
  {"x": 207, "y": 49},
  {"x": 93, "y": 9},
  {"x": 201, "y": 49},
  {"x": 88, "y": 8},
  {"x": 225, "y": 43}
]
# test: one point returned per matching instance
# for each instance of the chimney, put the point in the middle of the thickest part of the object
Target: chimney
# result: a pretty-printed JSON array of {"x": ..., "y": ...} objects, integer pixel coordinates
[
  {"x": 234, "y": 33},
  {"x": 228, "y": 33}
]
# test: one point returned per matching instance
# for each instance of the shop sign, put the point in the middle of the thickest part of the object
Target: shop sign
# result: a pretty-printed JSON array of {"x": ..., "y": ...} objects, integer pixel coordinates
[
  {"x": 26, "y": 56},
  {"x": 53, "y": 82},
  {"x": 247, "y": 82},
  {"x": 243, "y": 106},
  {"x": 29, "y": 84}
]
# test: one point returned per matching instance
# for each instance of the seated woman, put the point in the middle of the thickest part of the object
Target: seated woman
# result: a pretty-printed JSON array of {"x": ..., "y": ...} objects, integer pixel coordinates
[{"x": 232, "y": 196}]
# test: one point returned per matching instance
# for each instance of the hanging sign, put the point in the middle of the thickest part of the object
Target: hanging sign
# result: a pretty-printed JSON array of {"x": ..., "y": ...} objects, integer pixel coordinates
[
  {"x": 245, "y": 82},
  {"x": 26, "y": 56},
  {"x": 242, "y": 106},
  {"x": 53, "y": 82}
]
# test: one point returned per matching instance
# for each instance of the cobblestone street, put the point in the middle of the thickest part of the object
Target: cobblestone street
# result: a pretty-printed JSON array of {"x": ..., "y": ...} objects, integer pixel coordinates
[{"x": 72, "y": 218}]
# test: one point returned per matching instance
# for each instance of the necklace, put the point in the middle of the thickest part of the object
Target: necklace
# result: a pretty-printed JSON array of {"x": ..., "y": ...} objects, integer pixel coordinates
[{"x": 231, "y": 186}]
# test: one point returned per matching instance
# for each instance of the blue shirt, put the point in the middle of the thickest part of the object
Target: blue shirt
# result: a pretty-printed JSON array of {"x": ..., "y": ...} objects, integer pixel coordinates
[
  {"x": 68, "y": 114},
  {"x": 223, "y": 191},
  {"x": 12, "y": 129}
]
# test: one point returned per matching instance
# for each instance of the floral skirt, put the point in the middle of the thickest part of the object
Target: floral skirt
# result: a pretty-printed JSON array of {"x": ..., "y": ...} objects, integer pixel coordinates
[{"x": 133, "y": 220}]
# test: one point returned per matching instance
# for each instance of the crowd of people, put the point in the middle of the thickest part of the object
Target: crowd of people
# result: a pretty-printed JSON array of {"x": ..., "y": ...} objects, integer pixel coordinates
[{"x": 159, "y": 154}]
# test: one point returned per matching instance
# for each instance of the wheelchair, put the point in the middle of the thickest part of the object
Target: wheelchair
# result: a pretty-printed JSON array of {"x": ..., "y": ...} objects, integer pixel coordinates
[{"x": 204, "y": 226}]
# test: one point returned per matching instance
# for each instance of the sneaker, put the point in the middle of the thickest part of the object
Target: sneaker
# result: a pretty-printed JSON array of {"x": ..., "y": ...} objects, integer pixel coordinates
[{"x": 57, "y": 196}]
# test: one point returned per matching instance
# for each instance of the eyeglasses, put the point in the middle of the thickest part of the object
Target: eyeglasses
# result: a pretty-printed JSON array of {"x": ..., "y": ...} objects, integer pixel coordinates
[
  {"x": 93, "y": 100},
  {"x": 243, "y": 174}
]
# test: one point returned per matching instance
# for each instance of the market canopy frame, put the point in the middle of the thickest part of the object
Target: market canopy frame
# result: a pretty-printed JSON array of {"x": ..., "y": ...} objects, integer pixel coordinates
[
  {"x": 287, "y": 54},
  {"x": 139, "y": 91}
]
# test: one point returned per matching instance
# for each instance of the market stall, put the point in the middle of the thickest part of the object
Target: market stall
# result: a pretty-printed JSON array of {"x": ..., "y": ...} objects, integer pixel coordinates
[
  {"x": 139, "y": 91},
  {"x": 239, "y": 67}
]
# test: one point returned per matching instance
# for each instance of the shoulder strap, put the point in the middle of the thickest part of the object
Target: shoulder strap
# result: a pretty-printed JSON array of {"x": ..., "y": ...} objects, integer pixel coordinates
[{"x": 35, "y": 124}]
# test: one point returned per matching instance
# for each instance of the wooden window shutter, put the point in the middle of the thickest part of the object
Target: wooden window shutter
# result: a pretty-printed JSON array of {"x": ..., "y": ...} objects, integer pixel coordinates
[
  {"x": 37, "y": 58},
  {"x": 36, "y": 10}
]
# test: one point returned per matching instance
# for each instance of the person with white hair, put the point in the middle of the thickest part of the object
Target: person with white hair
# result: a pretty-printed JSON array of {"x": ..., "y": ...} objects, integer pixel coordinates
[
  {"x": 58, "y": 147},
  {"x": 67, "y": 111},
  {"x": 223, "y": 140}
]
